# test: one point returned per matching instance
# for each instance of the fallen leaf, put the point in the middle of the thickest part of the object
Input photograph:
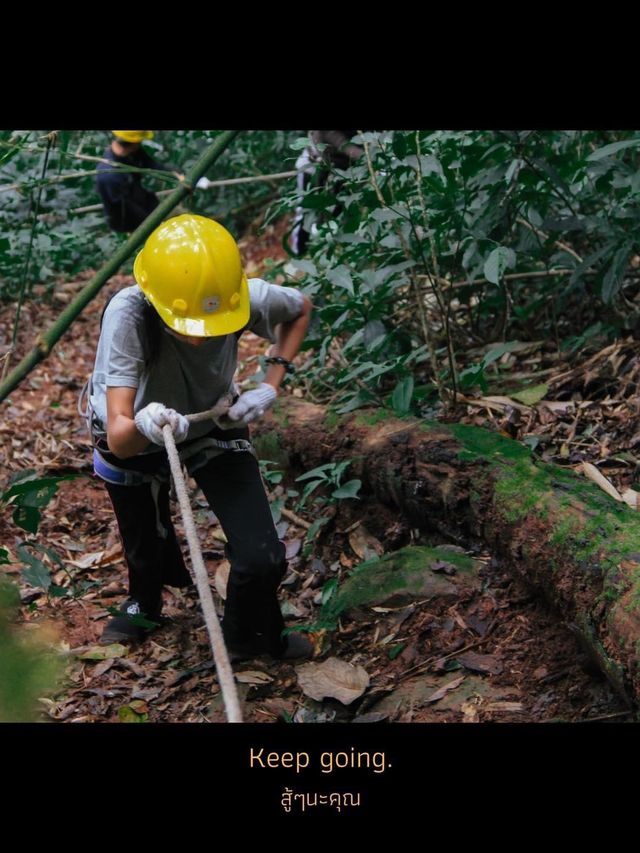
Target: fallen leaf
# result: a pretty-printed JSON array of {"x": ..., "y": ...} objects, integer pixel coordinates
[
  {"x": 559, "y": 407},
  {"x": 100, "y": 558},
  {"x": 88, "y": 560},
  {"x": 222, "y": 578},
  {"x": 439, "y": 694},
  {"x": 128, "y": 714},
  {"x": 530, "y": 396},
  {"x": 293, "y": 547},
  {"x": 115, "y": 650},
  {"x": 288, "y": 608},
  {"x": 365, "y": 544},
  {"x": 480, "y": 663},
  {"x": 333, "y": 678},
  {"x": 103, "y": 667},
  {"x": 253, "y": 676},
  {"x": 592, "y": 473}
]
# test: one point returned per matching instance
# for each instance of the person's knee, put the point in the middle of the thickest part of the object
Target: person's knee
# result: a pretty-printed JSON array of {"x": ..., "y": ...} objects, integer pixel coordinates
[{"x": 265, "y": 566}]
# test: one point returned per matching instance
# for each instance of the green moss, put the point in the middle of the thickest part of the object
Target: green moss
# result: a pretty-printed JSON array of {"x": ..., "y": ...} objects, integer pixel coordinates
[
  {"x": 371, "y": 417},
  {"x": 279, "y": 411},
  {"x": 613, "y": 670},
  {"x": 483, "y": 443},
  {"x": 592, "y": 525},
  {"x": 268, "y": 447},
  {"x": 405, "y": 571},
  {"x": 332, "y": 421},
  {"x": 567, "y": 526}
]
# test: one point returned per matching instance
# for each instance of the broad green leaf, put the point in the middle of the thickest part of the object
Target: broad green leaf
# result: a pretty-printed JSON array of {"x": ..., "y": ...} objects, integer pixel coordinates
[
  {"x": 612, "y": 148},
  {"x": 341, "y": 277},
  {"x": 499, "y": 260},
  {"x": 359, "y": 399},
  {"x": 348, "y": 490},
  {"x": 394, "y": 651},
  {"x": 318, "y": 201},
  {"x": 615, "y": 274},
  {"x": 28, "y": 518},
  {"x": 402, "y": 394},
  {"x": 30, "y": 484},
  {"x": 38, "y": 575},
  {"x": 316, "y": 472},
  {"x": 304, "y": 266},
  {"x": 310, "y": 488},
  {"x": 531, "y": 396},
  {"x": 329, "y": 589},
  {"x": 300, "y": 143},
  {"x": 276, "y": 509},
  {"x": 115, "y": 650},
  {"x": 498, "y": 351}
]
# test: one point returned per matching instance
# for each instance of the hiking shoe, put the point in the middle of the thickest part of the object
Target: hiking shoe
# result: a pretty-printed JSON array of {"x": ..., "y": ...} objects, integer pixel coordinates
[{"x": 132, "y": 626}]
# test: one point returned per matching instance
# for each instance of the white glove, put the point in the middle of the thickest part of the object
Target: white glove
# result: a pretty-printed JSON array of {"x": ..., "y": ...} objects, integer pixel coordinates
[
  {"x": 151, "y": 419},
  {"x": 252, "y": 404},
  {"x": 202, "y": 184}
]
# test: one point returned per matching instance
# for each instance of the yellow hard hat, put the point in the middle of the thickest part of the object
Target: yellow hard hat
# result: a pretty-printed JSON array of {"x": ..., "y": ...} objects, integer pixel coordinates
[
  {"x": 190, "y": 270},
  {"x": 133, "y": 135}
]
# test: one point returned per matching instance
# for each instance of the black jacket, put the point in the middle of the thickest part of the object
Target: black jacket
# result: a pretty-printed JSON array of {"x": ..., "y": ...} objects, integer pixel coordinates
[{"x": 126, "y": 202}]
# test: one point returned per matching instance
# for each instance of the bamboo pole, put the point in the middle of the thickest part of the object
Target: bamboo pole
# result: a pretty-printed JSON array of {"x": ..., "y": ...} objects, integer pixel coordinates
[
  {"x": 228, "y": 182},
  {"x": 45, "y": 342}
]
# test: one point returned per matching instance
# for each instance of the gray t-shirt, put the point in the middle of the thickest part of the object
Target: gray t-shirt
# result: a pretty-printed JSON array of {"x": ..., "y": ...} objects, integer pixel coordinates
[{"x": 183, "y": 377}]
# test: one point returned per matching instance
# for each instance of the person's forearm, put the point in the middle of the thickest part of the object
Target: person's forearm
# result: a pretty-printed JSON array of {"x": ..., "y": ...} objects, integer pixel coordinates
[
  {"x": 290, "y": 337},
  {"x": 123, "y": 438}
]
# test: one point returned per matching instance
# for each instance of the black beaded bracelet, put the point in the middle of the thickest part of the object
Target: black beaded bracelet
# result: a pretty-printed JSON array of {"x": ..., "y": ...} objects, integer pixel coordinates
[{"x": 276, "y": 359}]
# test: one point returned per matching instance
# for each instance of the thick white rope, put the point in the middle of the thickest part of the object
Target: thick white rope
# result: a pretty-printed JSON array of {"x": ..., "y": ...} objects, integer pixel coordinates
[{"x": 220, "y": 655}]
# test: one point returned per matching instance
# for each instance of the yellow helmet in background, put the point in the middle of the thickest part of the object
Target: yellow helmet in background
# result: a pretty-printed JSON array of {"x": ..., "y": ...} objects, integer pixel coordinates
[
  {"x": 191, "y": 272},
  {"x": 133, "y": 135}
]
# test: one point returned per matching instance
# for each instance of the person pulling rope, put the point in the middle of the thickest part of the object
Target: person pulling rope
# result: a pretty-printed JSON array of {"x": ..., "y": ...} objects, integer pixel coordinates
[{"x": 169, "y": 344}]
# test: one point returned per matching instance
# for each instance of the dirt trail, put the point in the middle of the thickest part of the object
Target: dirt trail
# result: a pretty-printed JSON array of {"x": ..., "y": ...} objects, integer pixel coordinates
[{"x": 512, "y": 659}]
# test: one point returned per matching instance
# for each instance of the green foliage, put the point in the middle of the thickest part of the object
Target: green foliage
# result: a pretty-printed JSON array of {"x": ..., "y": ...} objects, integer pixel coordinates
[
  {"x": 62, "y": 243},
  {"x": 425, "y": 209},
  {"x": 329, "y": 475},
  {"x": 27, "y": 669},
  {"x": 271, "y": 477},
  {"x": 27, "y": 495}
]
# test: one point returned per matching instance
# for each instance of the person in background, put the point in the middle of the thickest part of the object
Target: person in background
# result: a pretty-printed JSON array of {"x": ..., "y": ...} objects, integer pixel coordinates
[
  {"x": 126, "y": 202},
  {"x": 314, "y": 168}
]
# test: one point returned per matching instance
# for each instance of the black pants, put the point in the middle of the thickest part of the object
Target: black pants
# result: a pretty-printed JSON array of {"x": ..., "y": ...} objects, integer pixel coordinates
[{"x": 233, "y": 487}]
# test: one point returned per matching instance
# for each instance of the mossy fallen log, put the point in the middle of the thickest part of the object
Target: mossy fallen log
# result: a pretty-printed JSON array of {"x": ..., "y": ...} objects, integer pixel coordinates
[{"x": 551, "y": 526}]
